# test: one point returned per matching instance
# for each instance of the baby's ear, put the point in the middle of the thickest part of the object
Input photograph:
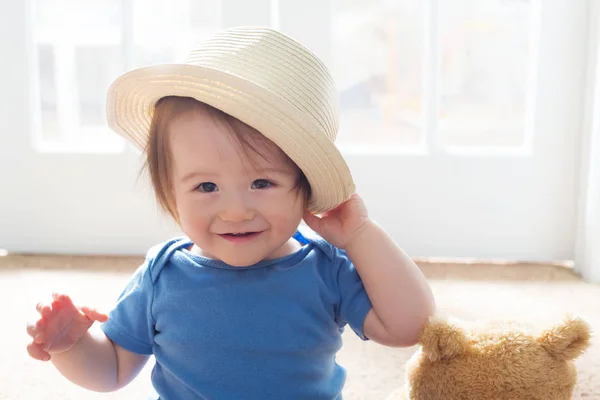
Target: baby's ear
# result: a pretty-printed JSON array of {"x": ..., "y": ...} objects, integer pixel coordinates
[
  {"x": 441, "y": 339},
  {"x": 567, "y": 340}
]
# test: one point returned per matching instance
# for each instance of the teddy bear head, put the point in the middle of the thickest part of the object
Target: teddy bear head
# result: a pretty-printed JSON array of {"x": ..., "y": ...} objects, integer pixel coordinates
[{"x": 495, "y": 361}]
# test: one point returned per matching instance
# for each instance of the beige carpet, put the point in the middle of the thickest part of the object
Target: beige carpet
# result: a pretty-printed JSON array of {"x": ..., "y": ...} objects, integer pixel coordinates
[{"x": 529, "y": 293}]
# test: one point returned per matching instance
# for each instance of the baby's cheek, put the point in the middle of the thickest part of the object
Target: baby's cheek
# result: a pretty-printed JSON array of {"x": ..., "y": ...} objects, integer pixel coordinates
[
  {"x": 285, "y": 212},
  {"x": 194, "y": 214}
]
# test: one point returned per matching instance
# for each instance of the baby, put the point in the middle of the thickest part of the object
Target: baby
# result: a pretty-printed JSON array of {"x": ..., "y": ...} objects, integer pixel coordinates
[{"x": 239, "y": 145}]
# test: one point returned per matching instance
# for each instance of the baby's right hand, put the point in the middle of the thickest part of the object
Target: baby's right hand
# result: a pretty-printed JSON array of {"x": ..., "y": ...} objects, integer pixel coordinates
[{"x": 60, "y": 326}]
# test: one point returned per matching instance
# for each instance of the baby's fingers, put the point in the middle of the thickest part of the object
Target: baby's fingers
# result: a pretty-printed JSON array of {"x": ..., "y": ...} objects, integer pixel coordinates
[
  {"x": 43, "y": 308},
  {"x": 35, "y": 329},
  {"x": 94, "y": 314},
  {"x": 313, "y": 221},
  {"x": 36, "y": 351}
]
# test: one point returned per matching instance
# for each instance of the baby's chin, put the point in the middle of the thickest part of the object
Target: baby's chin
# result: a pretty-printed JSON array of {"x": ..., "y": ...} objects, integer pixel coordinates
[
  {"x": 241, "y": 262},
  {"x": 233, "y": 260}
]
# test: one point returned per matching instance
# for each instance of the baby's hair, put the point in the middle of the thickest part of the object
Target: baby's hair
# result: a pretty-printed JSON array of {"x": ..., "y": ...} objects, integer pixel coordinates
[{"x": 158, "y": 152}]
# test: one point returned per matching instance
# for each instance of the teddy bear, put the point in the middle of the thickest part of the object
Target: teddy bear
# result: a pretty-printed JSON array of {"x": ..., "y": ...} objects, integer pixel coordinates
[{"x": 499, "y": 361}]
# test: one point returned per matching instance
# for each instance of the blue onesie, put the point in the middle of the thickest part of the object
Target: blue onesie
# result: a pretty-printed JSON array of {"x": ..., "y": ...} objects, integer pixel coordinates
[{"x": 267, "y": 331}]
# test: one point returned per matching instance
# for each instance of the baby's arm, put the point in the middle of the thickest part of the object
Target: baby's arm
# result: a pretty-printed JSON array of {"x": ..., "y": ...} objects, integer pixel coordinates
[
  {"x": 85, "y": 357},
  {"x": 399, "y": 293},
  {"x": 94, "y": 362},
  {"x": 401, "y": 297}
]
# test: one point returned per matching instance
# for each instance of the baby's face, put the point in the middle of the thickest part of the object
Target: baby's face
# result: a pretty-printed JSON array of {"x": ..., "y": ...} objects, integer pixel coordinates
[{"x": 235, "y": 205}]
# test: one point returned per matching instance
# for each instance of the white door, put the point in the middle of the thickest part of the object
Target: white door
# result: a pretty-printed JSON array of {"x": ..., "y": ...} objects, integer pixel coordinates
[{"x": 459, "y": 119}]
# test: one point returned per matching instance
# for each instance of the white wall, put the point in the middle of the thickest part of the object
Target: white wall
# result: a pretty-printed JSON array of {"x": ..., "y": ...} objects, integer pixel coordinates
[
  {"x": 587, "y": 257},
  {"x": 14, "y": 129}
]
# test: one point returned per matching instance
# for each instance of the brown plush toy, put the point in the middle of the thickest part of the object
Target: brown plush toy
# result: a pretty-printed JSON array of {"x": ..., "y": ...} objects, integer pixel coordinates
[{"x": 499, "y": 362}]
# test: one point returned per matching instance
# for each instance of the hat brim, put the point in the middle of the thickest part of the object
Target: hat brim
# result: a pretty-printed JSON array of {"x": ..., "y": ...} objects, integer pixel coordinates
[{"x": 132, "y": 97}]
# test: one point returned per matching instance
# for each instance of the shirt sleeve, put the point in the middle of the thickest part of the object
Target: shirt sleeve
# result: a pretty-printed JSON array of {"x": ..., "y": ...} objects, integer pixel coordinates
[
  {"x": 130, "y": 323},
  {"x": 354, "y": 302}
]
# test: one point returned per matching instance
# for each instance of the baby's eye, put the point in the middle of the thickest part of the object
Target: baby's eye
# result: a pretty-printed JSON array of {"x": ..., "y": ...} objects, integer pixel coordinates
[
  {"x": 261, "y": 184},
  {"x": 207, "y": 187}
]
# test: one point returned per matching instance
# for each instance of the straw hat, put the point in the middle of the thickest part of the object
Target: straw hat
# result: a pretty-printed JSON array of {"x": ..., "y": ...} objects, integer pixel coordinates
[{"x": 261, "y": 77}]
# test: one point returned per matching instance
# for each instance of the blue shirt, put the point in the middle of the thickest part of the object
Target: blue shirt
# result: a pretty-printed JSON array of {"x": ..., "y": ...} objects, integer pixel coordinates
[{"x": 267, "y": 331}]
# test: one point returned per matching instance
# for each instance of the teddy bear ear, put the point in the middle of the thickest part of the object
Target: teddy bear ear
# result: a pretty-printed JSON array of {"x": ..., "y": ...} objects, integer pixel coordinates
[
  {"x": 441, "y": 339},
  {"x": 568, "y": 340}
]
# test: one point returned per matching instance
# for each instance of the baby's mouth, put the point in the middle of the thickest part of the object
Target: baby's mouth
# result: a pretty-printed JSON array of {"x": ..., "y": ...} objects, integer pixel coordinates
[{"x": 239, "y": 237}]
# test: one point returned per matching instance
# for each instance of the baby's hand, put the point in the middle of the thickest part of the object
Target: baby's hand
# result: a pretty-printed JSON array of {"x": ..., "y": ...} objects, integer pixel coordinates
[
  {"x": 340, "y": 225},
  {"x": 60, "y": 326}
]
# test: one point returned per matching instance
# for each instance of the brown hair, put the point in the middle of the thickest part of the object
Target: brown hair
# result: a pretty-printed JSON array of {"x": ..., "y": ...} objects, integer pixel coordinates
[{"x": 158, "y": 152}]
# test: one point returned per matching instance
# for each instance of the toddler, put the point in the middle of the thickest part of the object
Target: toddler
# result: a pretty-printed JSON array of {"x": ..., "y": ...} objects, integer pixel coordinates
[{"x": 248, "y": 304}]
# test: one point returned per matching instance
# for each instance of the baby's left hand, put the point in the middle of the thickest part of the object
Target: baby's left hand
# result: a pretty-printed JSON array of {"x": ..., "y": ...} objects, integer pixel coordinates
[{"x": 340, "y": 225}]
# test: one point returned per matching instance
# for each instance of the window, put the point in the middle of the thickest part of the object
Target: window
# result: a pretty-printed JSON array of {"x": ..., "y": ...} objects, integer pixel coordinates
[
  {"x": 455, "y": 71},
  {"x": 81, "y": 46},
  {"x": 378, "y": 65},
  {"x": 484, "y": 71},
  {"x": 410, "y": 72},
  {"x": 79, "y": 50}
]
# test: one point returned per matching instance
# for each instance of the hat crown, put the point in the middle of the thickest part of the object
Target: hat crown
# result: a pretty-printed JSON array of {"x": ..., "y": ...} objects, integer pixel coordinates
[{"x": 279, "y": 64}]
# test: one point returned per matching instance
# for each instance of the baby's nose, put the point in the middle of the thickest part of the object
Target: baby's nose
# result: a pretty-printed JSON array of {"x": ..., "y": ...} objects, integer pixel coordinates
[{"x": 237, "y": 209}]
